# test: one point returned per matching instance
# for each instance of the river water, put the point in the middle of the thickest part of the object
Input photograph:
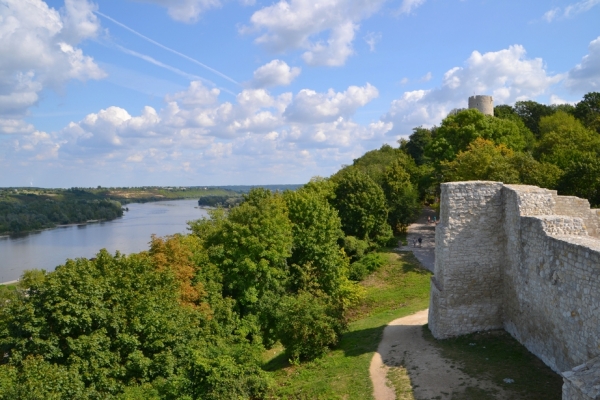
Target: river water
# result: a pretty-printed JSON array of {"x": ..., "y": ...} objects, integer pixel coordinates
[{"x": 129, "y": 234}]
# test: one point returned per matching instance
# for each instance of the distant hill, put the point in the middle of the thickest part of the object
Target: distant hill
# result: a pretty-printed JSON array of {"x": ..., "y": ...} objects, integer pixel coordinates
[{"x": 247, "y": 188}]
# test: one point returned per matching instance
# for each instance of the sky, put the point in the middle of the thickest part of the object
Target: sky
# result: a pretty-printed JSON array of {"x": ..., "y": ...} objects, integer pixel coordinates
[{"x": 249, "y": 92}]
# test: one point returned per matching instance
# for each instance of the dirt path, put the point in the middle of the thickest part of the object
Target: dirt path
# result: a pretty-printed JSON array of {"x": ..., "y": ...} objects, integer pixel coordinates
[
  {"x": 429, "y": 374},
  {"x": 426, "y": 231},
  {"x": 417, "y": 361}
]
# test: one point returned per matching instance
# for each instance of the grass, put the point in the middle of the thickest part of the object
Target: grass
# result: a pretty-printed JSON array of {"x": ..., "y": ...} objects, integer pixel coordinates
[
  {"x": 397, "y": 289},
  {"x": 495, "y": 356},
  {"x": 398, "y": 379}
]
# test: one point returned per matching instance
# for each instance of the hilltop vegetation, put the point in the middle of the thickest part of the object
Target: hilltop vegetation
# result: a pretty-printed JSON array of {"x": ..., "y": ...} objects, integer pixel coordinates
[
  {"x": 191, "y": 317},
  {"x": 555, "y": 147}
]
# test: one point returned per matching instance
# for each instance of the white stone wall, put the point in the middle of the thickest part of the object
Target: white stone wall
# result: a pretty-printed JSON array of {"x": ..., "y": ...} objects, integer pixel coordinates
[
  {"x": 523, "y": 259},
  {"x": 469, "y": 255}
]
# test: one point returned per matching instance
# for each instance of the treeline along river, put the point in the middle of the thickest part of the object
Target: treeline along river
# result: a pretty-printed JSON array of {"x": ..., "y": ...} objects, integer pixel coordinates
[{"x": 128, "y": 234}]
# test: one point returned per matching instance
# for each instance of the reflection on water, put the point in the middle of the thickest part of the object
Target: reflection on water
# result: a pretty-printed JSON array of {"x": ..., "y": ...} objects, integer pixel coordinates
[{"x": 129, "y": 234}]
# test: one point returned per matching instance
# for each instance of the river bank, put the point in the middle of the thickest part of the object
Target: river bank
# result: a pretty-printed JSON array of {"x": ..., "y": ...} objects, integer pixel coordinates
[{"x": 130, "y": 233}]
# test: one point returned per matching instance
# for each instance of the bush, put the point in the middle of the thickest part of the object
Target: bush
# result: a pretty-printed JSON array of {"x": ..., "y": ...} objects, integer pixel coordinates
[
  {"x": 368, "y": 264},
  {"x": 354, "y": 247},
  {"x": 308, "y": 325}
]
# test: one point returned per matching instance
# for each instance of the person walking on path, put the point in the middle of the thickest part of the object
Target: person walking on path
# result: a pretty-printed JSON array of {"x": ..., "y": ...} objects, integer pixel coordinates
[
  {"x": 420, "y": 241},
  {"x": 428, "y": 220}
]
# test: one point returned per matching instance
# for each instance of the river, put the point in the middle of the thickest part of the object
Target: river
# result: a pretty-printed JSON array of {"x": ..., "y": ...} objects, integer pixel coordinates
[{"x": 128, "y": 234}]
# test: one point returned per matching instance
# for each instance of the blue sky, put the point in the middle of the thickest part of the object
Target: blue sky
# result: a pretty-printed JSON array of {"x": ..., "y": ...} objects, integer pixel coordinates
[{"x": 216, "y": 92}]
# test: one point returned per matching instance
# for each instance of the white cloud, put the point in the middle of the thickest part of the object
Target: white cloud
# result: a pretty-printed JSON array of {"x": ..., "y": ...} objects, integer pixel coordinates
[
  {"x": 570, "y": 11},
  {"x": 197, "y": 134},
  {"x": 15, "y": 126},
  {"x": 554, "y": 99},
  {"x": 275, "y": 73},
  {"x": 585, "y": 77},
  {"x": 408, "y": 6},
  {"x": 185, "y": 10},
  {"x": 371, "y": 39},
  {"x": 196, "y": 95},
  {"x": 79, "y": 21},
  {"x": 508, "y": 75},
  {"x": 550, "y": 15},
  {"x": 427, "y": 77},
  {"x": 299, "y": 24},
  {"x": 310, "y": 107},
  {"x": 37, "y": 50}
]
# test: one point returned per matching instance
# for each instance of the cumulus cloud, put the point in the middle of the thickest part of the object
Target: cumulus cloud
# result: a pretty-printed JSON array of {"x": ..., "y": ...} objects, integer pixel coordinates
[
  {"x": 275, "y": 73},
  {"x": 185, "y": 10},
  {"x": 291, "y": 136},
  {"x": 569, "y": 11},
  {"x": 508, "y": 75},
  {"x": 300, "y": 24},
  {"x": 312, "y": 107},
  {"x": 408, "y": 6},
  {"x": 585, "y": 77},
  {"x": 38, "y": 49}
]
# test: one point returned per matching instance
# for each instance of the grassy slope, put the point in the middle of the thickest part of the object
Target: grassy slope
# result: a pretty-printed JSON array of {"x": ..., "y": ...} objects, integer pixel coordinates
[{"x": 397, "y": 289}]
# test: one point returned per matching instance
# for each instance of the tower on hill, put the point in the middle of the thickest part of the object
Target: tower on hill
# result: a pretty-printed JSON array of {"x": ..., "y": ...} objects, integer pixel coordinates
[{"x": 485, "y": 104}]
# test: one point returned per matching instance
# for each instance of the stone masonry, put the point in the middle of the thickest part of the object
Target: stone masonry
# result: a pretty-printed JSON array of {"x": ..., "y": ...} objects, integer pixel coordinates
[{"x": 526, "y": 260}]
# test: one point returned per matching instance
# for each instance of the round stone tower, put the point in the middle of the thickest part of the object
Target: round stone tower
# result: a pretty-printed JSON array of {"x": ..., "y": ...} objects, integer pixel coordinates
[{"x": 485, "y": 104}]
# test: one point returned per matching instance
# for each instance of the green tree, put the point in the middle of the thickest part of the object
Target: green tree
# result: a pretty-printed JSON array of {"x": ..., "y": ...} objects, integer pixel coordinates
[
  {"x": 588, "y": 111},
  {"x": 531, "y": 112},
  {"x": 582, "y": 178},
  {"x": 375, "y": 162},
  {"x": 251, "y": 247},
  {"x": 458, "y": 131},
  {"x": 307, "y": 325},
  {"x": 533, "y": 172},
  {"x": 316, "y": 261},
  {"x": 505, "y": 111},
  {"x": 91, "y": 329},
  {"x": 563, "y": 138},
  {"x": 483, "y": 160},
  {"x": 402, "y": 197},
  {"x": 361, "y": 206},
  {"x": 417, "y": 143}
]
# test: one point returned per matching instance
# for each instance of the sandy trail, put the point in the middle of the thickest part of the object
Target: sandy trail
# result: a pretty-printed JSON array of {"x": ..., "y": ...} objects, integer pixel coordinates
[
  {"x": 403, "y": 345},
  {"x": 431, "y": 375},
  {"x": 426, "y": 231}
]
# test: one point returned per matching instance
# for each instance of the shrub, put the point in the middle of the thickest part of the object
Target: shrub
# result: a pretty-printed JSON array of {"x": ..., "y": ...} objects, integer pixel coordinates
[
  {"x": 368, "y": 264},
  {"x": 354, "y": 247},
  {"x": 308, "y": 325}
]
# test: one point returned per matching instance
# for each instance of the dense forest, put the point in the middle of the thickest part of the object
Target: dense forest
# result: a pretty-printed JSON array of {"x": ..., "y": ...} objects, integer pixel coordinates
[
  {"x": 28, "y": 209},
  {"x": 191, "y": 317},
  {"x": 26, "y": 212}
]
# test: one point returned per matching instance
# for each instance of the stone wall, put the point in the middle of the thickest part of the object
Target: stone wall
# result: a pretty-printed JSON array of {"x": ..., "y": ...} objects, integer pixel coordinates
[{"x": 523, "y": 259}]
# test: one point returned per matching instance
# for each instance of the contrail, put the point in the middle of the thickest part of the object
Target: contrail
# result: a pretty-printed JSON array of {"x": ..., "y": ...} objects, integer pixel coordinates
[
  {"x": 160, "y": 64},
  {"x": 162, "y": 46},
  {"x": 168, "y": 67}
]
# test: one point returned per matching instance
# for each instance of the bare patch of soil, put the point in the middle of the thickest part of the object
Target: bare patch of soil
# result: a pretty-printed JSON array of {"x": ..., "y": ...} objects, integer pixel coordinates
[{"x": 404, "y": 352}]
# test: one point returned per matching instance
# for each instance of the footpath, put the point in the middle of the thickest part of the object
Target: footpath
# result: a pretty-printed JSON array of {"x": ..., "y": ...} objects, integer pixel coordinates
[
  {"x": 426, "y": 231},
  {"x": 405, "y": 352}
]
